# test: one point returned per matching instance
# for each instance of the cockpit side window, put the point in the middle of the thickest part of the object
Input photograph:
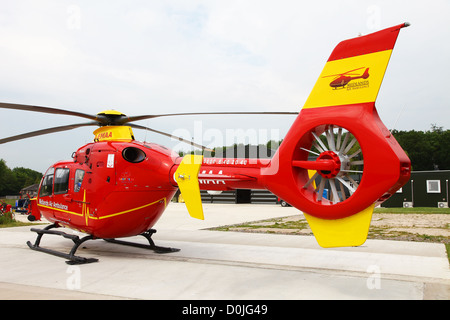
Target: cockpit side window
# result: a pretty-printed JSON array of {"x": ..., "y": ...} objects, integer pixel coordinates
[
  {"x": 79, "y": 175},
  {"x": 61, "y": 180},
  {"x": 47, "y": 183}
]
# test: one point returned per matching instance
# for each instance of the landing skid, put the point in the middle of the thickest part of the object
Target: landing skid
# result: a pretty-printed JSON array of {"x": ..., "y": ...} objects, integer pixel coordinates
[
  {"x": 151, "y": 246},
  {"x": 72, "y": 259}
]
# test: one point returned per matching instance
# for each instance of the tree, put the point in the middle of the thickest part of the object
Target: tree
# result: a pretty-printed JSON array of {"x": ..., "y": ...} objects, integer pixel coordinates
[
  {"x": 7, "y": 179},
  {"x": 429, "y": 150},
  {"x": 440, "y": 146},
  {"x": 12, "y": 181},
  {"x": 26, "y": 177}
]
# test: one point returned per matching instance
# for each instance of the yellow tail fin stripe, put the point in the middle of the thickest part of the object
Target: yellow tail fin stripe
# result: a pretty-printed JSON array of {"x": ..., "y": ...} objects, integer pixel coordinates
[
  {"x": 187, "y": 178},
  {"x": 358, "y": 90},
  {"x": 347, "y": 232}
]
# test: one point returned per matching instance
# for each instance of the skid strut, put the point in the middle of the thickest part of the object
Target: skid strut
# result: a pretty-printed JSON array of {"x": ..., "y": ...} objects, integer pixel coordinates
[
  {"x": 151, "y": 246},
  {"x": 73, "y": 259}
]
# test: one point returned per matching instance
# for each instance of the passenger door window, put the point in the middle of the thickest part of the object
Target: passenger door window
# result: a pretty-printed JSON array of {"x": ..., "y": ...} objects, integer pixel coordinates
[
  {"x": 79, "y": 175},
  {"x": 61, "y": 180}
]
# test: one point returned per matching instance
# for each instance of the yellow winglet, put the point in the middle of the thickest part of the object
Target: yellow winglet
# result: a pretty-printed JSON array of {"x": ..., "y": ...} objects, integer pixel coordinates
[
  {"x": 187, "y": 178},
  {"x": 347, "y": 232}
]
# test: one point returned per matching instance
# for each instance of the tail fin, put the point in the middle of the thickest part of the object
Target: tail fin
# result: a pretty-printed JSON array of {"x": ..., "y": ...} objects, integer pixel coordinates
[
  {"x": 372, "y": 51},
  {"x": 339, "y": 135}
]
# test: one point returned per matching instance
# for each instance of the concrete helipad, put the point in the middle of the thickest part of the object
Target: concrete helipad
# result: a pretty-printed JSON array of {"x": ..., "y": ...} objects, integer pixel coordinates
[{"x": 223, "y": 265}]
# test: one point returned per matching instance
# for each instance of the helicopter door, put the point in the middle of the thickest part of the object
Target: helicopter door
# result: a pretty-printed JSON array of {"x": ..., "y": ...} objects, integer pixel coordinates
[
  {"x": 61, "y": 198},
  {"x": 78, "y": 191}
]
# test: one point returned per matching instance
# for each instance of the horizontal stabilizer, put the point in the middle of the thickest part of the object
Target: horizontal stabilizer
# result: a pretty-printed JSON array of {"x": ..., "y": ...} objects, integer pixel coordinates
[{"x": 187, "y": 178}]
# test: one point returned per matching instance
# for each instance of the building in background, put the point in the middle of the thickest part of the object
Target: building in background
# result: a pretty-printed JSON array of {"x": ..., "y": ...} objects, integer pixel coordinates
[{"x": 424, "y": 189}]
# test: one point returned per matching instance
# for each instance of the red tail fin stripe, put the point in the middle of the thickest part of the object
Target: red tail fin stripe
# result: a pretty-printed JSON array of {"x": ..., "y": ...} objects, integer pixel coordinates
[{"x": 374, "y": 42}]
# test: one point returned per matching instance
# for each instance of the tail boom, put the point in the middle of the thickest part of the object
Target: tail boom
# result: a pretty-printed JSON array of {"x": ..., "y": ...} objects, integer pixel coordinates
[
  {"x": 340, "y": 124},
  {"x": 229, "y": 174}
]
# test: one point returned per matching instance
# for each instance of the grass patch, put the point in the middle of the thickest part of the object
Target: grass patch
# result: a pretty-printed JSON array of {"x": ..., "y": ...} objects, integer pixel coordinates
[
  {"x": 278, "y": 225},
  {"x": 386, "y": 234},
  {"x": 418, "y": 210},
  {"x": 447, "y": 246},
  {"x": 7, "y": 221},
  {"x": 299, "y": 225}
]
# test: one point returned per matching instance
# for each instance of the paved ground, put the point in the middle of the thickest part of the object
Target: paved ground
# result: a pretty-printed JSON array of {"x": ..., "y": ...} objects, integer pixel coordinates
[{"x": 224, "y": 265}]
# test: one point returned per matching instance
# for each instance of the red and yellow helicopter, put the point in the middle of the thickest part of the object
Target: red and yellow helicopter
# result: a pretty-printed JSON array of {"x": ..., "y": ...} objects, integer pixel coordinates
[{"x": 117, "y": 187}]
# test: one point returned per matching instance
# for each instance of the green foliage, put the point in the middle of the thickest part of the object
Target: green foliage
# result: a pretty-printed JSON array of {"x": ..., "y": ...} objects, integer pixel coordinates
[
  {"x": 415, "y": 210},
  {"x": 6, "y": 218},
  {"x": 7, "y": 221},
  {"x": 429, "y": 150},
  {"x": 12, "y": 181}
]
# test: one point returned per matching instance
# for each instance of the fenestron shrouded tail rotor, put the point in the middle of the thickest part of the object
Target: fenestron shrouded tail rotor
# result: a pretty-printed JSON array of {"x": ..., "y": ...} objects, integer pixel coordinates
[{"x": 337, "y": 166}]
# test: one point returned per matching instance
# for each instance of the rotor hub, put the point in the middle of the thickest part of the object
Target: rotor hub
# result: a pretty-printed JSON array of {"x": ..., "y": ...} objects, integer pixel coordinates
[
  {"x": 334, "y": 164},
  {"x": 111, "y": 118}
]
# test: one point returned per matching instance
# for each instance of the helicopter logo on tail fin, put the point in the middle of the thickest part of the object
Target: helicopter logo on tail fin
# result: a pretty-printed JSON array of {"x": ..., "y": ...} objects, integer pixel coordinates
[{"x": 343, "y": 79}]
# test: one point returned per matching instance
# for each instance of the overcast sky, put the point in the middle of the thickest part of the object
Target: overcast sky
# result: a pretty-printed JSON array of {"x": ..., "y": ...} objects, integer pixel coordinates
[{"x": 151, "y": 57}]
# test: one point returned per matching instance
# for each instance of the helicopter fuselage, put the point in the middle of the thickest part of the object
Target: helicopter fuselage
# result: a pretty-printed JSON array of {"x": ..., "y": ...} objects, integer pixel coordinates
[
  {"x": 111, "y": 189},
  {"x": 116, "y": 189}
]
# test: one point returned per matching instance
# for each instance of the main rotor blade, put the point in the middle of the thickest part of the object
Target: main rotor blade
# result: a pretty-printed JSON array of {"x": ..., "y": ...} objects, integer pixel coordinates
[
  {"x": 14, "y": 106},
  {"x": 170, "y": 136},
  {"x": 46, "y": 131},
  {"x": 150, "y": 116}
]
